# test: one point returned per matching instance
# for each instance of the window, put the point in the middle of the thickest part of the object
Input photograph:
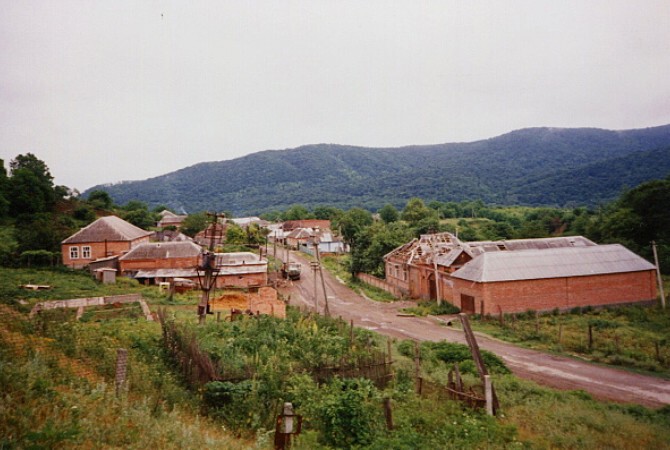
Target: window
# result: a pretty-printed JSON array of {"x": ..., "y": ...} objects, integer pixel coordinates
[
  {"x": 86, "y": 252},
  {"x": 74, "y": 252}
]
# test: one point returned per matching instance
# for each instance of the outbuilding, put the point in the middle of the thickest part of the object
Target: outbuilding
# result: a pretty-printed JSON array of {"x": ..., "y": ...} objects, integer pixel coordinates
[{"x": 542, "y": 280}]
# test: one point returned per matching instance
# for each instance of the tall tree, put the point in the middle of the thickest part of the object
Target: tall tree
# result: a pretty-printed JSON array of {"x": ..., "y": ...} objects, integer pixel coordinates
[
  {"x": 4, "y": 186},
  {"x": 415, "y": 211},
  {"x": 31, "y": 188}
]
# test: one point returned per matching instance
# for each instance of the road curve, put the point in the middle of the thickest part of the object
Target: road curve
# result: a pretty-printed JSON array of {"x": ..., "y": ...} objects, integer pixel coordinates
[{"x": 559, "y": 372}]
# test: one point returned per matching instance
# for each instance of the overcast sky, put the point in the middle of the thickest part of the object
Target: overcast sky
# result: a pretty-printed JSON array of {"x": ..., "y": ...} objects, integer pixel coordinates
[{"x": 113, "y": 90}]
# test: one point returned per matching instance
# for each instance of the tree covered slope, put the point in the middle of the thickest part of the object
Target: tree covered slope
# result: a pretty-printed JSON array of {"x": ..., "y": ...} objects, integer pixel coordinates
[{"x": 535, "y": 166}]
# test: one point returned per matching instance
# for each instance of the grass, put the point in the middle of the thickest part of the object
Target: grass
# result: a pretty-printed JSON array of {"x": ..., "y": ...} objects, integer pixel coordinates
[
  {"x": 338, "y": 266},
  {"x": 633, "y": 337},
  {"x": 57, "y": 378}
]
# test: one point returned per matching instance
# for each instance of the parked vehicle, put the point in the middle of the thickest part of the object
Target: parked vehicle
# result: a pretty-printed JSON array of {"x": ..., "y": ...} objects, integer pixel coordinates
[{"x": 291, "y": 270}]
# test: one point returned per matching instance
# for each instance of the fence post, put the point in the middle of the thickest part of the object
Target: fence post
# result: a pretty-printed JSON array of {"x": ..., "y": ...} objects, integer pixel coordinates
[
  {"x": 121, "y": 366},
  {"x": 488, "y": 393},
  {"x": 388, "y": 413},
  {"x": 417, "y": 367}
]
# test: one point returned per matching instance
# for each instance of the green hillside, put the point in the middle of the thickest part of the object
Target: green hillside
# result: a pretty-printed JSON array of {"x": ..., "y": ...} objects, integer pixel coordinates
[{"x": 536, "y": 166}]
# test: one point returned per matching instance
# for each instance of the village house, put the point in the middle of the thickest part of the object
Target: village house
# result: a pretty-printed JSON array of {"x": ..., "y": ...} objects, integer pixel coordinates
[
  {"x": 165, "y": 262},
  {"x": 298, "y": 237},
  {"x": 245, "y": 222},
  {"x": 241, "y": 269},
  {"x": 213, "y": 234},
  {"x": 327, "y": 242},
  {"x": 170, "y": 219},
  {"x": 291, "y": 225},
  {"x": 440, "y": 265},
  {"x": 106, "y": 237},
  {"x": 150, "y": 258}
]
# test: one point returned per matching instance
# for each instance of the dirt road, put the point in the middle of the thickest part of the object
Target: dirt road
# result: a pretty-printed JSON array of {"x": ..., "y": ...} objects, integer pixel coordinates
[{"x": 555, "y": 371}]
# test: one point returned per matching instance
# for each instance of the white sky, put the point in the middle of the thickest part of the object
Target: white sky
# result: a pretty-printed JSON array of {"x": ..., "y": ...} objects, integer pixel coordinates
[{"x": 113, "y": 90}]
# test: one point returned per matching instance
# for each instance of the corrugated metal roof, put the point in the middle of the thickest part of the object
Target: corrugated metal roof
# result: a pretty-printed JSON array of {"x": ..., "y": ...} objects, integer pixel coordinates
[
  {"x": 552, "y": 263},
  {"x": 163, "y": 250},
  {"x": 108, "y": 228},
  {"x": 237, "y": 258},
  {"x": 167, "y": 273},
  {"x": 479, "y": 247}
]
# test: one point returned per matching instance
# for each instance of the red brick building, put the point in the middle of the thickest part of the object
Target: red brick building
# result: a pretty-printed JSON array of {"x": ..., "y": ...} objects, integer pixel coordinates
[
  {"x": 521, "y": 274},
  {"x": 543, "y": 280},
  {"x": 105, "y": 237},
  {"x": 160, "y": 255}
]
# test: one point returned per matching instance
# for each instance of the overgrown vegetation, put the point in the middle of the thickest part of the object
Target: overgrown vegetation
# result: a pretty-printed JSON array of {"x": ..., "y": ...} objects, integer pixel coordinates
[
  {"x": 629, "y": 336},
  {"x": 57, "y": 376}
]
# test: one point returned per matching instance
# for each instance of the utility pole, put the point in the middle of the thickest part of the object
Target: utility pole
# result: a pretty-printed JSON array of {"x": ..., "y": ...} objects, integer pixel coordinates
[
  {"x": 207, "y": 266},
  {"x": 326, "y": 310},
  {"x": 658, "y": 274}
]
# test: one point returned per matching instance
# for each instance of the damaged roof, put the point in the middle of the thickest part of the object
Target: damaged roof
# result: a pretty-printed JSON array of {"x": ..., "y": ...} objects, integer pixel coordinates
[
  {"x": 552, "y": 263},
  {"x": 479, "y": 247}
]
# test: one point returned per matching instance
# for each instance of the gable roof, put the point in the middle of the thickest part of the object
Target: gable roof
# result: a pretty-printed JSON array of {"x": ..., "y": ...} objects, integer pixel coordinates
[
  {"x": 108, "y": 228},
  {"x": 552, "y": 263},
  {"x": 163, "y": 250}
]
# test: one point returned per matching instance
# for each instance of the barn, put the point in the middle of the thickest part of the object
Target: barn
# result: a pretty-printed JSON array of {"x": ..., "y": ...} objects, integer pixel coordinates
[{"x": 542, "y": 280}]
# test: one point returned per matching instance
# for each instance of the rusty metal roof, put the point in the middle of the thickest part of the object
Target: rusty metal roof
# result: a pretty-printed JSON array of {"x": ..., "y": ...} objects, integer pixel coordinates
[
  {"x": 108, "y": 228},
  {"x": 552, "y": 263}
]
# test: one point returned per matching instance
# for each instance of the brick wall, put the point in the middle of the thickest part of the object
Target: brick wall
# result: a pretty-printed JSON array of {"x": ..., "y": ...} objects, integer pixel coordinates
[
  {"x": 162, "y": 263},
  {"x": 381, "y": 284},
  {"x": 246, "y": 280},
  {"x": 98, "y": 250},
  {"x": 562, "y": 293}
]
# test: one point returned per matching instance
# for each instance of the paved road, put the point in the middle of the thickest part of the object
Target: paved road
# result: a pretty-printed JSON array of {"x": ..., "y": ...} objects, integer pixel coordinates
[{"x": 550, "y": 370}]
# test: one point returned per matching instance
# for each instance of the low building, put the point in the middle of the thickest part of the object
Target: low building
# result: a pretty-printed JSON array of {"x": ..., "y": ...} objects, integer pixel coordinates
[
  {"x": 105, "y": 237},
  {"x": 291, "y": 225},
  {"x": 214, "y": 234},
  {"x": 298, "y": 236},
  {"x": 327, "y": 242},
  {"x": 440, "y": 265},
  {"x": 244, "y": 222},
  {"x": 160, "y": 255},
  {"x": 170, "y": 219},
  {"x": 241, "y": 269},
  {"x": 562, "y": 278}
]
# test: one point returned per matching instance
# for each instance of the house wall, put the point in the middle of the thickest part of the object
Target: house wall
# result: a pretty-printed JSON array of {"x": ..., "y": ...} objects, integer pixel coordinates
[
  {"x": 562, "y": 293},
  {"x": 98, "y": 250},
  {"x": 242, "y": 280},
  {"x": 158, "y": 263},
  {"x": 397, "y": 275}
]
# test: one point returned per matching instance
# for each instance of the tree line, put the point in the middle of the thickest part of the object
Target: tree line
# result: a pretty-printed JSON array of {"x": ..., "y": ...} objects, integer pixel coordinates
[{"x": 36, "y": 215}]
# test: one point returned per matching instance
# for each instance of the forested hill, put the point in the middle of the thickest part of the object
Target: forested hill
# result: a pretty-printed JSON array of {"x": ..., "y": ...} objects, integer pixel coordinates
[{"x": 534, "y": 166}]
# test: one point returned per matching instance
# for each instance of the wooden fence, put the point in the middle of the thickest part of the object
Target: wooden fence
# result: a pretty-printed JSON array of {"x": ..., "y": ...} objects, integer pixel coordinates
[{"x": 198, "y": 368}]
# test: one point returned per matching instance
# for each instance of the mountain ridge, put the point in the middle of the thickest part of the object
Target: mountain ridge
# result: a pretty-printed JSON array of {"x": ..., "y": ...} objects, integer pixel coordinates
[{"x": 518, "y": 167}]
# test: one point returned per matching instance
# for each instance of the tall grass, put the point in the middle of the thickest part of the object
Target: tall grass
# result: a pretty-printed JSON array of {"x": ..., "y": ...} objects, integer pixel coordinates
[{"x": 633, "y": 337}]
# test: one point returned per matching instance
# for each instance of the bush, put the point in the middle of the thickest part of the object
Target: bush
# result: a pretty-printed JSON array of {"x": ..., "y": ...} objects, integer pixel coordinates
[{"x": 39, "y": 258}]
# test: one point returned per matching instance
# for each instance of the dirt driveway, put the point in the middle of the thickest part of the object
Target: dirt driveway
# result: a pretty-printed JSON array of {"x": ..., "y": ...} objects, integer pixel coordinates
[{"x": 555, "y": 371}]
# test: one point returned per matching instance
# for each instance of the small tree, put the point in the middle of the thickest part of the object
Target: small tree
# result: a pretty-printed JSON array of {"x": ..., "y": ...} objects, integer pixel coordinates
[{"x": 388, "y": 213}]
